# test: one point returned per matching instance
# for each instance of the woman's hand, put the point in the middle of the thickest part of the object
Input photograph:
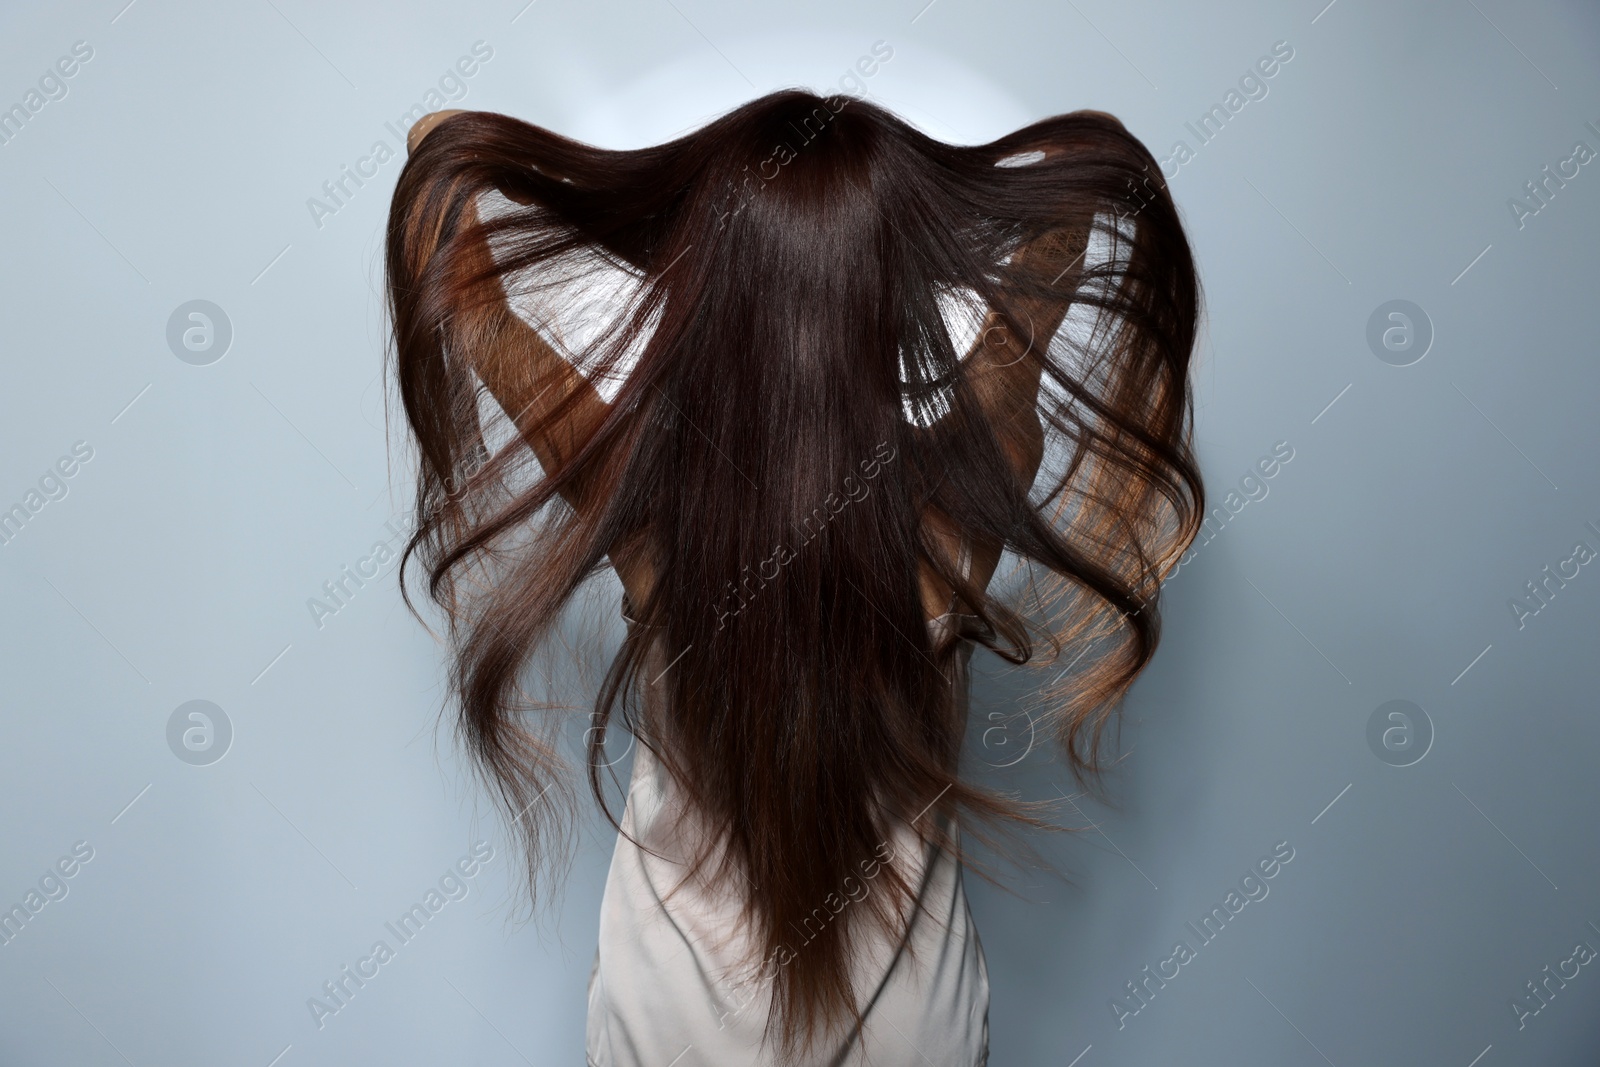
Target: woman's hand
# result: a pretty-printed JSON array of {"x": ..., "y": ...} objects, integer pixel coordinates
[{"x": 422, "y": 126}]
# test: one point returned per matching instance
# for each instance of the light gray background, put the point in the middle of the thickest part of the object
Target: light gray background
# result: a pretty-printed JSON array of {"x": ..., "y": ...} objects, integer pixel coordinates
[{"x": 1380, "y": 566}]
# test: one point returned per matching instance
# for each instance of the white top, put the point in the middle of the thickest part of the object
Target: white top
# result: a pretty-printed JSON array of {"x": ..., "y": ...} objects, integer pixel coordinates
[{"x": 667, "y": 987}]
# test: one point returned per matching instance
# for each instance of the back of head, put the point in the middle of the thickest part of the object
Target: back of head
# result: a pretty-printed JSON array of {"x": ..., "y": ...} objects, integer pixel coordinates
[{"x": 795, "y": 418}]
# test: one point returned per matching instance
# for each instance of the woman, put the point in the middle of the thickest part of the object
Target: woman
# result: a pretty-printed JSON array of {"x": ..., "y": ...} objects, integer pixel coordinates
[{"x": 800, "y": 376}]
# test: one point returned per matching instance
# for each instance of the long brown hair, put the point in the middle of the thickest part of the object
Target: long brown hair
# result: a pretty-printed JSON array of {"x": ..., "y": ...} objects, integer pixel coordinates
[{"x": 794, "y": 264}]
